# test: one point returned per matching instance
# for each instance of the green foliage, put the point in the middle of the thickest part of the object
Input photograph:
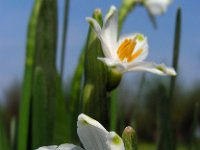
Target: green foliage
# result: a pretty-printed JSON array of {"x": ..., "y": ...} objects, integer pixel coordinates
[
  {"x": 95, "y": 100},
  {"x": 24, "y": 113},
  {"x": 166, "y": 138},
  {"x": 65, "y": 26},
  {"x": 4, "y": 142},
  {"x": 194, "y": 143},
  {"x": 40, "y": 111},
  {"x": 44, "y": 92},
  {"x": 177, "y": 38}
]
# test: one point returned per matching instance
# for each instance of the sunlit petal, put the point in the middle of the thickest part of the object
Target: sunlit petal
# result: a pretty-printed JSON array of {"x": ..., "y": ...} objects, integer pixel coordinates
[
  {"x": 107, "y": 50},
  {"x": 110, "y": 27},
  {"x": 91, "y": 133}
]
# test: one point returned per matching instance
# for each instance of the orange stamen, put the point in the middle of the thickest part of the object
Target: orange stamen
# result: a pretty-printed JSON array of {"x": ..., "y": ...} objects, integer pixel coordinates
[
  {"x": 126, "y": 48},
  {"x": 135, "y": 55}
]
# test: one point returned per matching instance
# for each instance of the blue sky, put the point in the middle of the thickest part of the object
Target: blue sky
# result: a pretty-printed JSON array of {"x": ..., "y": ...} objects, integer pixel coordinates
[{"x": 14, "y": 18}]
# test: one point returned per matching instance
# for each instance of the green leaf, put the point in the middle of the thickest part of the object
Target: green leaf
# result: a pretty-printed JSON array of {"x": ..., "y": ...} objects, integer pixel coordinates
[
  {"x": 46, "y": 59},
  {"x": 64, "y": 35},
  {"x": 39, "y": 111},
  {"x": 28, "y": 77},
  {"x": 177, "y": 38}
]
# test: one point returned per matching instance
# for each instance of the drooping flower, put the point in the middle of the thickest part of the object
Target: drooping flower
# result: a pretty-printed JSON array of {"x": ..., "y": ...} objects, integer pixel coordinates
[
  {"x": 157, "y": 7},
  {"x": 129, "y": 51},
  {"x": 93, "y": 136}
]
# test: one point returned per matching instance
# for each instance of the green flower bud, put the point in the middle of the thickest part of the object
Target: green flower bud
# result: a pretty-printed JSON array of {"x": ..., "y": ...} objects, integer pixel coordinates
[{"x": 129, "y": 138}]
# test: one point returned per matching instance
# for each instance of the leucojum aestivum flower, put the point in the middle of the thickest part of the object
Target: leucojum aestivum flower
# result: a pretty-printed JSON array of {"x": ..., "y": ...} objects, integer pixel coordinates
[
  {"x": 157, "y": 7},
  {"x": 129, "y": 51},
  {"x": 93, "y": 136}
]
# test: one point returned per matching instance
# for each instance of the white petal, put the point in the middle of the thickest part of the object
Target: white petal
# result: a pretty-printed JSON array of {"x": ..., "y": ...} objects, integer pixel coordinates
[
  {"x": 114, "y": 142},
  {"x": 95, "y": 26},
  {"x": 110, "y": 28},
  {"x": 91, "y": 133},
  {"x": 113, "y": 63},
  {"x": 52, "y": 147},
  {"x": 159, "y": 69},
  {"x": 157, "y": 7},
  {"x": 109, "y": 62},
  {"x": 69, "y": 147},
  {"x": 107, "y": 50},
  {"x": 141, "y": 44}
]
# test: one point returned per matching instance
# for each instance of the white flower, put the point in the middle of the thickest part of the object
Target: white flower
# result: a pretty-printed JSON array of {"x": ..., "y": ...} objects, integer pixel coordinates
[
  {"x": 128, "y": 52},
  {"x": 157, "y": 7},
  {"x": 93, "y": 136}
]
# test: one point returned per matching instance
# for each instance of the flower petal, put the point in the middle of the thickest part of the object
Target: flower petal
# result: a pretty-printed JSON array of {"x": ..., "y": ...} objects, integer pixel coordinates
[
  {"x": 69, "y": 147},
  {"x": 157, "y": 7},
  {"x": 105, "y": 44},
  {"x": 159, "y": 69},
  {"x": 52, "y": 147},
  {"x": 109, "y": 62},
  {"x": 95, "y": 26},
  {"x": 91, "y": 133},
  {"x": 110, "y": 28},
  {"x": 114, "y": 142}
]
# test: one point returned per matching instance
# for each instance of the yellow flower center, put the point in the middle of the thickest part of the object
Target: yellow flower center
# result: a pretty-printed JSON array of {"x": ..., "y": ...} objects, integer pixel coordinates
[{"x": 126, "y": 49}]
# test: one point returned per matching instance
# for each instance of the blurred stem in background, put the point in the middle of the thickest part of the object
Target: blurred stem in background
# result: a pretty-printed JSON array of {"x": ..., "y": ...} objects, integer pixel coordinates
[
  {"x": 166, "y": 139},
  {"x": 194, "y": 143},
  {"x": 64, "y": 37},
  {"x": 4, "y": 142},
  {"x": 126, "y": 7}
]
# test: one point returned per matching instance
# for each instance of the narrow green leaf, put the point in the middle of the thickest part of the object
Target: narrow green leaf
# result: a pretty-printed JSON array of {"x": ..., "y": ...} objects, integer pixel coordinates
[
  {"x": 46, "y": 59},
  {"x": 39, "y": 111},
  {"x": 74, "y": 105},
  {"x": 27, "y": 82},
  {"x": 165, "y": 135},
  {"x": 166, "y": 138},
  {"x": 46, "y": 44},
  {"x": 61, "y": 124},
  {"x": 177, "y": 38},
  {"x": 65, "y": 26}
]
